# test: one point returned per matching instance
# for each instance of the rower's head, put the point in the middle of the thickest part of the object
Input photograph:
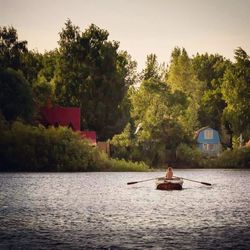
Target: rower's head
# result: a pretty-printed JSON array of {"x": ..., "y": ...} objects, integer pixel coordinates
[{"x": 170, "y": 169}]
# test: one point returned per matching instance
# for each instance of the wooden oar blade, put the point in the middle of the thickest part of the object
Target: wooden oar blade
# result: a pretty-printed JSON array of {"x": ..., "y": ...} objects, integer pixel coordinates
[
  {"x": 205, "y": 183},
  {"x": 131, "y": 183}
]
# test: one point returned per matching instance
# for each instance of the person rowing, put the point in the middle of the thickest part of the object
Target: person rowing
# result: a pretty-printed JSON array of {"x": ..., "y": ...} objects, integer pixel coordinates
[{"x": 169, "y": 173}]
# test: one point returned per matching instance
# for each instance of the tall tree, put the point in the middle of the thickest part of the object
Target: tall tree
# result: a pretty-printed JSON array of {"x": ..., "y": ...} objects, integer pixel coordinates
[
  {"x": 158, "y": 110},
  {"x": 92, "y": 74},
  {"x": 50, "y": 60},
  {"x": 210, "y": 70},
  {"x": 31, "y": 65},
  {"x": 236, "y": 93},
  {"x": 181, "y": 76},
  {"x": 11, "y": 50},
  {"x": 153, "y": 69}
]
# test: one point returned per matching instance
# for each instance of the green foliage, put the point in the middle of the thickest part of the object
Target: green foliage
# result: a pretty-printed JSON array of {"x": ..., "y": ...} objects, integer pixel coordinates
[
  {"x": 11, "y": 50},
  {"x": 189, "y": 156},
  {"x": 50, "y": 62},
  {"x": 88, "y": 71},
  {"x": 121, "y": 143},
  {"x": 211, "y": 109},
  {"x": 210, "y": 71},
  {"x": 152, "y": 69},
  {"x": 182, "y": 76},
  {"x": 122, "y": 165},
  {"x": 119, "y": 165},
  {"x": 43, "y": 93},
  {"x": 237, "y": 158},
  {"x": 16, "y": 96},
  {"x": 92, "y": 74},
  {"x": 158, "y": 110},
  {"x": 30, "y": 148},
  {"x": 31, "y": 65},
  {"x": 192, "y": 157},
  {"x": 236, "y": 93}
]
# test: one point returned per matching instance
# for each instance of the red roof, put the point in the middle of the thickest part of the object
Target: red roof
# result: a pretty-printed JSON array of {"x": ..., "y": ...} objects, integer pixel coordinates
[
  {"x": 89, "y": 135},
  {"x": 66, "y": 117},
  {"x": 61, "y": 116}
]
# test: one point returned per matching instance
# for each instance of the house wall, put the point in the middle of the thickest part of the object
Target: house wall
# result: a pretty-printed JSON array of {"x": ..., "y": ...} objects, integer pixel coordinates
[
  {"x": 210, "y": 149},
  {"x": 210, "y": 146},
  {"x": 214, "y": 140}
]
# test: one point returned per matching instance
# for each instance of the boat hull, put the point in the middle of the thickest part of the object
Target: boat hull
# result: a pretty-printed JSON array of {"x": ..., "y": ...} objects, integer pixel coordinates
[{"x": 165, "y": 184}]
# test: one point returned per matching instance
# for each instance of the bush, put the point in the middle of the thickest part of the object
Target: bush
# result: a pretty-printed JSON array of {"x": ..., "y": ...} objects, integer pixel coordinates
[
  {"x": 237, "y": 158},
  {"x": 29, "y": 148},
  {"x": 188, "y": 156},
  {"x": 192, "y": 157}
]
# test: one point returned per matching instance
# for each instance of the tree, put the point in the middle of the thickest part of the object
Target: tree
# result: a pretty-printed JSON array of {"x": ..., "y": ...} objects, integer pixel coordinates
[
  {"x": 31, "y": 65},
  {"x": 182, "y": 77},
  {"x": 211, "y": 109},
  {"x": 11, "y": 50},
  {"x": 153, "y": 69},
  {"x": 236, "y": 93},
  {"x": 92, "y": 74},
  {"x": 50, "y": 60},
  {"x": 157, "y": 111},
  {"x": 43, "y": 93},
  {"x": 157, "y": 108},
  {"x": 15, "y": 96},
  {"x": 210, "y": 70}
]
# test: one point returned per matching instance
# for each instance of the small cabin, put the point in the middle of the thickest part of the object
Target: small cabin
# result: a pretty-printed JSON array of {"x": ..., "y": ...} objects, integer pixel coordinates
[{"x": 208, "y": 141}]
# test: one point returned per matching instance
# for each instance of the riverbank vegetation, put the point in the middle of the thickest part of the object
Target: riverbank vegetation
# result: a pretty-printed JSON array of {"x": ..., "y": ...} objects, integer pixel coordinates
[
  {"x": 147, "y": 117},
  {"x": 35, "y": 148},
  {"x": 189, "y": 157}
]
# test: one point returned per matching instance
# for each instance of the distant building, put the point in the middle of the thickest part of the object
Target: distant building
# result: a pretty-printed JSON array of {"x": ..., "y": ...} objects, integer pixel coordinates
[
  {"x": 55, "y": 116},
  {"x": 208, "y": 141},
  {"x": 67, "y": 117}
]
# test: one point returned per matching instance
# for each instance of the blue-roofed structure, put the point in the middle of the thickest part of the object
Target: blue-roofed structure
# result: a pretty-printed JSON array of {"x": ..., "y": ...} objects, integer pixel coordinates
[{"x": 208, "y": 141}]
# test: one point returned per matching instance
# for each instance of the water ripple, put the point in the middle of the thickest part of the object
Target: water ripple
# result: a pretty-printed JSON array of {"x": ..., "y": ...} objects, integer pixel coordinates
[{"x": 99, "y": 211}]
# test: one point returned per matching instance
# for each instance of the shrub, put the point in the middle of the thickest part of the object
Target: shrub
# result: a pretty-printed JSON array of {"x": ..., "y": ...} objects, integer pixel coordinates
[
  {"x": 237, "y": 158},
  {"x": 29, "y": 148},
  {"x": 189, "y": 156}
]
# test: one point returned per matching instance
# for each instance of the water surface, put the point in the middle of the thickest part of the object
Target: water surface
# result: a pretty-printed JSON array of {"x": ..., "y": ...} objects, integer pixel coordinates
[{"x": 99, "y": 211}]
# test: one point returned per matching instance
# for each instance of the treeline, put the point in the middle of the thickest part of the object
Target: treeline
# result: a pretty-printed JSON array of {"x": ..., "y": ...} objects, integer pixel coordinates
[
  {"x": 148, "y": 116},
  {"x": 173, "y": 102},
  {"x": 86, "y": 71}
]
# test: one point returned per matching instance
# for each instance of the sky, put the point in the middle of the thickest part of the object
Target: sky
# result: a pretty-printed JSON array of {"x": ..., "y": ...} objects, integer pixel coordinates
[{"x": 141, "y": 26}]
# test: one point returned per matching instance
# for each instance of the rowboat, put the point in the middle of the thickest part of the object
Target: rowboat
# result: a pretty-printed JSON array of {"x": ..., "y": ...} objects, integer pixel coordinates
[{"x": 169, "y": 184}]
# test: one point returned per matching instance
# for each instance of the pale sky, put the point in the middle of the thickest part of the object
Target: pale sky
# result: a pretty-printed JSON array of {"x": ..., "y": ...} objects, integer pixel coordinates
[{"x": 141, "y": 26}]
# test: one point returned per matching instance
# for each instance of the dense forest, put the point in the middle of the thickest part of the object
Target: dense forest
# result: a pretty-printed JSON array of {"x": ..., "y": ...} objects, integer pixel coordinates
[{"x": 148, "y": 116}]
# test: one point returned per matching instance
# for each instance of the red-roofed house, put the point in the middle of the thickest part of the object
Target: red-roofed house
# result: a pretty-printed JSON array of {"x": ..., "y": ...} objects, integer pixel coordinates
[
  {"x": 68, "y": 117},
  {"x": 62, "y": 116}
]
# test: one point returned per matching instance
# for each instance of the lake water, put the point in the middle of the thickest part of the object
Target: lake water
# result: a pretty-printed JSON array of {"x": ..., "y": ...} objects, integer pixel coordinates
[{"x": 100, "y": 211}]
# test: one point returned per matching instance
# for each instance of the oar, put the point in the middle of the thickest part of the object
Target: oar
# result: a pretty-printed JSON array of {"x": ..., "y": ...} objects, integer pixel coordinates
[
  {"x": 204, "y": 183},
  {"x": 134, "y": 182}
]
